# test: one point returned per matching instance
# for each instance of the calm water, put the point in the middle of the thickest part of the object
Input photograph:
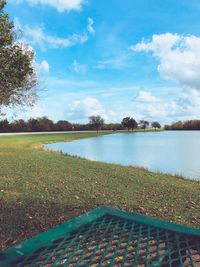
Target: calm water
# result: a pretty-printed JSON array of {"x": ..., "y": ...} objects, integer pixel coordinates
[{"x": 175, "y": 152}]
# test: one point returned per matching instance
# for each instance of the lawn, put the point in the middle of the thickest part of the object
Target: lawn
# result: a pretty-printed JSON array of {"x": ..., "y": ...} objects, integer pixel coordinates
[{"x": 40, "y": 189}]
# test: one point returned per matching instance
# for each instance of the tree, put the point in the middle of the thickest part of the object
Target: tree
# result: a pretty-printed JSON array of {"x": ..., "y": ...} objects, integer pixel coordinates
[
  {"x": 45, "y": 124},
  {"x": 125, "y": 122},
  {"x": 63, "y": 126},
  {"x": 177, "y": 125},
  {"x": 17, "y": 75},
  {"x": 4, "y": 126},
  {"x": 18, "y": 126},
  {"x": 132, "y": 124},
  {"x": 156, "y": 125},
  {"x": 144, "y": 124},
  {"x": 112, "y": 126},
  {"x": 191, "y": 125},
  {"x": 129, "y": 123},
  {"x": 40, "y": 124},
  {"x": 96, "y": 122},
  {"x": 184, "y": 125},
  {"x": 33, "y": 125}
]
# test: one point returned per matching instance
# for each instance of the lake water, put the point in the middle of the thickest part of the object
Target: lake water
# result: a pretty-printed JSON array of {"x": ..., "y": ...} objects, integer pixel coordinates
[{"x": 175, "y": 152}]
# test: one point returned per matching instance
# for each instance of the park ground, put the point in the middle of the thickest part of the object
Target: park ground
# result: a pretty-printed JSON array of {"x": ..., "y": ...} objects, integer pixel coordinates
[{"x": 40, "y": 189}]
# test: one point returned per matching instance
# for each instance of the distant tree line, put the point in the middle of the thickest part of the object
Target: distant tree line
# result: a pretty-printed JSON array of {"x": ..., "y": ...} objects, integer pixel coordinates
[
  {"x": 95, "y": 123},
  {"x": 184, "y": 125},
  {"x": 44, "y": 124},
  {"x": 131, "y": 124}
]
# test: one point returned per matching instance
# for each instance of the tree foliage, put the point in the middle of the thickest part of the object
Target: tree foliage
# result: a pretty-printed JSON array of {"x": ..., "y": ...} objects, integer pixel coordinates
[
  {"x": 133, "y": 124},
  {"x": 46, "y": 124},
  {"x": 63, "y": 125},
  {"x": 129, "y": 123},
  {"x": 17, "y": 75},
  {"x": 156, "y": 125},
  {"x": 144, "y": 124},
  {"x": 185, "y": 125},
  {"x": 125, "y": 122},
  {"x": 96, "y": 122}
]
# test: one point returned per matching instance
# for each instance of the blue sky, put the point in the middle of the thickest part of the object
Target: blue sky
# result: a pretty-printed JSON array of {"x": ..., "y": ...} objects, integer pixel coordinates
[{"x": 138, "y": 58}]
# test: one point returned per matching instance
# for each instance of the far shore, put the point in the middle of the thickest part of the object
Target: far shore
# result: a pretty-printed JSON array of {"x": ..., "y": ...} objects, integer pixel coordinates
[
  {"x": 53, "y": 132},
  {"x": 72, "y": 132}
]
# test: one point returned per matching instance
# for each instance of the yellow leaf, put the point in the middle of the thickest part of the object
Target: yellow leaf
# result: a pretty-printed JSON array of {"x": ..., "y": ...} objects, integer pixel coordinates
[
  {"x": 119, "y": 258},
  {"x": 77, "y": 197}
]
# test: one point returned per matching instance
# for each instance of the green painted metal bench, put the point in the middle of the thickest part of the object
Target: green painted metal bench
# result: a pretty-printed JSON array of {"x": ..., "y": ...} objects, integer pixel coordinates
[{"x": 109, "y": 237}]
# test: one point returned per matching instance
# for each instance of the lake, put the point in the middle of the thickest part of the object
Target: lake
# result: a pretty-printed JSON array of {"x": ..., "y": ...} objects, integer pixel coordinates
[{"x": 174, "y": 152}]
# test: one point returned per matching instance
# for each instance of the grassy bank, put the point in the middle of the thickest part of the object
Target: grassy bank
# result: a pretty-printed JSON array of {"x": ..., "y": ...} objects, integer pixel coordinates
[{"x": 40, "y": 189}]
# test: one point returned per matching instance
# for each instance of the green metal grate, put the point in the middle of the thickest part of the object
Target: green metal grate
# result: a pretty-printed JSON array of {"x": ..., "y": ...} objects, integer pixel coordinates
[{"x": 109, "y": 237}]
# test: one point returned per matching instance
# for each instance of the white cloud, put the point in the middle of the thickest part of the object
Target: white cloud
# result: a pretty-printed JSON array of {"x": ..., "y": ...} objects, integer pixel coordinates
[
  {"x": 189, "y": 101},
  {"x": 191, "y": 98},
  {"x": 146, "y": 96},
  {"x": 115, "y": 62},
  {"x": 82, "y": 109},
  {"x": 90, "y": 26},
  {"x": 178, "y": 56},
  {"x": 144, "y": 106},
  {"x": 60, "y": 5},
  {"x": 43, "y": 66},
  {"x": 185, "y": 106},
  {"x": 78, "y": 68},
  {"x": 149, "y": 106},
  {"x": 76, "y": 100},
  {"x": 38, "y": 36}
]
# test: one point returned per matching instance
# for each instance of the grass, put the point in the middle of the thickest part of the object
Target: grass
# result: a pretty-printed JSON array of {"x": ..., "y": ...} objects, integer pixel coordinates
[{"x": 40, "y": 189}]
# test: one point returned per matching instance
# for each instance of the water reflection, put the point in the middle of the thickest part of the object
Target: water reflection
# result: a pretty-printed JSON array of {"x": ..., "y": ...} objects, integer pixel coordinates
[{"x": 175, "y": 152}]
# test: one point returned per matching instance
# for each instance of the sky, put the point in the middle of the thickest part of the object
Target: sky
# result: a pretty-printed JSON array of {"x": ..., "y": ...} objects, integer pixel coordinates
[{"x": 114, "y": 58}]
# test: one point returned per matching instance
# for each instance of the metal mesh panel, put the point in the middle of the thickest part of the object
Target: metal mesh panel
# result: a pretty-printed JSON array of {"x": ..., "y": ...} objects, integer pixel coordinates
[{"x": 113, "y": 241}]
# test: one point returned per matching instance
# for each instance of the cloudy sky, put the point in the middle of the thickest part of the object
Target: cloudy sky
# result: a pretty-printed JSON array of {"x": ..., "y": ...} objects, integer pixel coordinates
[{"x": 115, "y": 58}]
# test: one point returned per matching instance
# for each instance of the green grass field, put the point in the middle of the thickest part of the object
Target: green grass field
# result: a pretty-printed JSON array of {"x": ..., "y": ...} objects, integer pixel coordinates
[{"x": 40, "y": 189}]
